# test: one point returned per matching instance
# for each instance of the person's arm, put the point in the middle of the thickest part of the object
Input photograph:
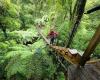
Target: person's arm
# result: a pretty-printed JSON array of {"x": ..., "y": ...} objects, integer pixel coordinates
[
  {"x": 56, "y": 33},
  {"x": 93, "y": 9}
]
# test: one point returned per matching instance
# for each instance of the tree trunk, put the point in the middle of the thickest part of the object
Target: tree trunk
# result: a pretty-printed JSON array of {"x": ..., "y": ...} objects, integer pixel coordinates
[
  {"x": 76, "y": 18},
  {"x": 92, "y": 45}
]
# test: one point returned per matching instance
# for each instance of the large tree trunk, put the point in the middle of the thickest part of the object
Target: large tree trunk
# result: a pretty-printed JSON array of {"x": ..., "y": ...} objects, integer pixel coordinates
[{"x": 76, "y": 18}]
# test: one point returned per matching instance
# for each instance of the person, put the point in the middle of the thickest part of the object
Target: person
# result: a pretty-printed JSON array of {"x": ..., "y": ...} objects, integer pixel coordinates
[{"x": 52, "y": 35}]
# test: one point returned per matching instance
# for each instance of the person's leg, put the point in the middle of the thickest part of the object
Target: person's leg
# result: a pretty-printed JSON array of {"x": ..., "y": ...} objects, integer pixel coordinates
[
  {"x": 52, "y": 40},
  {"x": 55, "y": 40}
]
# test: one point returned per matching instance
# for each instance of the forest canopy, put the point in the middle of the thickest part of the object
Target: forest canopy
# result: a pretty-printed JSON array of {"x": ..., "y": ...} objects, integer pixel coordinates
[{"x": 24, "y": 55}]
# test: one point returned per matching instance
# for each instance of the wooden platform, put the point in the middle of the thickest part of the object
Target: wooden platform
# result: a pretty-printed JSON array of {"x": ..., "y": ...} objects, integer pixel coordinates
[{"x": 88, "y": 72}]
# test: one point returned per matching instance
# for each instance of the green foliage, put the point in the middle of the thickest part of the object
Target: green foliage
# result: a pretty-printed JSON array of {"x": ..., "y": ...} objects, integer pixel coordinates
[
  {"x": 32, "y": 62},
  {"x": 61, "y": 76},
  {"x": 9, "y": 17},
  {"x": 19, "y": 18}
]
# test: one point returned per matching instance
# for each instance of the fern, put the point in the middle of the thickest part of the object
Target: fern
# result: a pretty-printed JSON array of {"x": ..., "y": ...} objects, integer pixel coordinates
[{"x": 29, "y": 63}]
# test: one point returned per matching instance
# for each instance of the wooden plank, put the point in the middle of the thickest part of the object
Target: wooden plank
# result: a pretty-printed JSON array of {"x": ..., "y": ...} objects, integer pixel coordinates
[
  {"x": 88, "y": 72},
  {"x": 97, "y": 64},
  {"x": 94, "y": 70},
  {"x": 92, "y": 73},
  {"x": 72, "y": 73},
  {"x": 93, "y": 61}
]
